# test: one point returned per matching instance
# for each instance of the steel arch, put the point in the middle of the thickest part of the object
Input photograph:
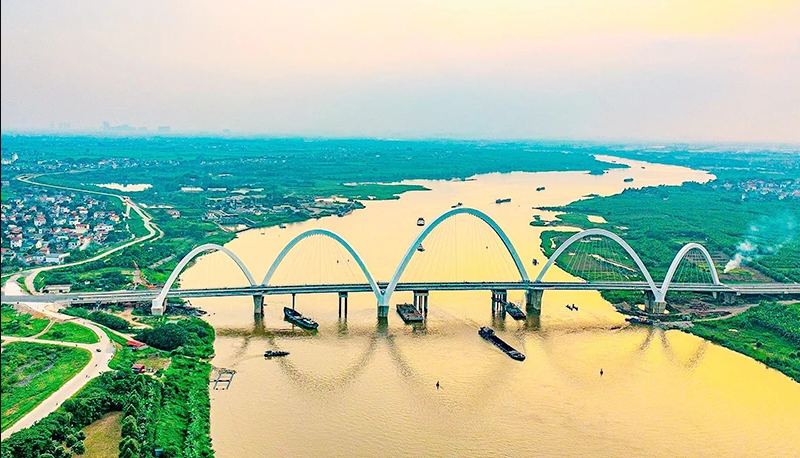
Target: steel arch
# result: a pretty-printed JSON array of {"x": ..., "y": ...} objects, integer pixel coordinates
[
  {"x": 158, "y": 301},
  {"x": 337, "y": 238},
  {"x": 612, "y": 236},
  {"x": 673, "y": 267},
  {"x": 443, "y": 217}
]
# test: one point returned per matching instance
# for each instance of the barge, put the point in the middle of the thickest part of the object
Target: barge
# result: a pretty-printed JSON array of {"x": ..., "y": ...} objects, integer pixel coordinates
[
  {"x": 297, "y": 318},
  {"x": 515, "y": 312},
  {"x": 488, "y": 334},
  {"x": 271, "y": 353},
  {"x": 409, "y": 313}
]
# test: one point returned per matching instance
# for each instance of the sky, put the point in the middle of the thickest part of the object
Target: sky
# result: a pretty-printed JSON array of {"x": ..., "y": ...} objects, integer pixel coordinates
[{"x": 660, "y": 70}]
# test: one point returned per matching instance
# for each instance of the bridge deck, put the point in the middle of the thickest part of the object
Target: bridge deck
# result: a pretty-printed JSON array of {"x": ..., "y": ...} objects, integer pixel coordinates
[{"x": 146, "y": 295}]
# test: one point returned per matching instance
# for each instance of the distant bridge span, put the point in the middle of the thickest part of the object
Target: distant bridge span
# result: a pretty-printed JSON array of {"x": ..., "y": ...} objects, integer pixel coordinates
[{"x": 655, "y": 295}]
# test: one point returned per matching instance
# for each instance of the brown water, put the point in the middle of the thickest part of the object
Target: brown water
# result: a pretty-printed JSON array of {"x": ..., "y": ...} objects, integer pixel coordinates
[{"x": 356, "y": 388}]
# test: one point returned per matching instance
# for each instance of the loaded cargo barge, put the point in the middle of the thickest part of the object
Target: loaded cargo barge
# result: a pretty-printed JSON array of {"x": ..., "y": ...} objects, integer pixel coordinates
[
  {"x": 409, "y": 313},
  {"x": 515, "y": 311},
  {"x": 488, "y": 334}
]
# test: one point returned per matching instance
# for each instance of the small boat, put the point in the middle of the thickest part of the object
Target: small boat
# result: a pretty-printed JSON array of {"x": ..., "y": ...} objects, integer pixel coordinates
[
  {"x": 456, "y": 205},
  {"x": 282, "y": 226},
  {"x": 502, "y": 201},
  {"x": 628, "y": 180},
  {"x": 420, "y": 248},
  {"x": 420, "y": 221},
  {"x": 540, "y": 188},
  {"x": 488, "y": 334},
  {"x": 297, "y": 318},
  {"x": 535, "y": 262},
  {"x": 271, "y": 353}
]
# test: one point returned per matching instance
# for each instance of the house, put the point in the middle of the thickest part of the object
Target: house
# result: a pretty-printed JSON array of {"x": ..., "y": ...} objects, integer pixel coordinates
[
  {"x": 134, "y": 345},
  {"x": 16, "y": 241},
  {"x": 80, "y": 228},
  {"x": 55, "y": 257},
  {"x": 137, "y": 368}
]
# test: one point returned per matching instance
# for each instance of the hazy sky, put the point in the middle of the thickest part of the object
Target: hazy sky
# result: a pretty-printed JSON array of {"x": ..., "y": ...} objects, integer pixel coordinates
[{"x": 582, "y": 69}]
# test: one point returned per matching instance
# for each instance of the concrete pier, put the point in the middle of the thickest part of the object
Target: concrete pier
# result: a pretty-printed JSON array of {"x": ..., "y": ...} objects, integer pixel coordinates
[
  {"x": 421, "y": 301},
  {"x": 652, "y": 305},
  {"x": 533, "y": 301},
  {"x": 342, "y": 302},
  {"x": 258, "y": 304}
]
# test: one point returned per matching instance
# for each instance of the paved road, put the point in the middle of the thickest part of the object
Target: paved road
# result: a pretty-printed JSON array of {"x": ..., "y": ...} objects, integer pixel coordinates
[
  {"x": 152, "y": 229},
  {"x": 97, "y": 365}
]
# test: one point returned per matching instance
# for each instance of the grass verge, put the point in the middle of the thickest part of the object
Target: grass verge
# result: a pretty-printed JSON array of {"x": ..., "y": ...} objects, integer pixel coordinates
[
  {"x": 70, "y": 332},
  {"x": 31, "y": 372}
]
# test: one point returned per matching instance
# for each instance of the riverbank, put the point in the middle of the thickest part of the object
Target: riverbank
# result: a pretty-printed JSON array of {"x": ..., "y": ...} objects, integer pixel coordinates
[{"x": 769, "y": 333}]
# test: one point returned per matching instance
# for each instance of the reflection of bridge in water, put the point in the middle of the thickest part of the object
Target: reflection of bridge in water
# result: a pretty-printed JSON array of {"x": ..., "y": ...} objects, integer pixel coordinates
[{"x": 654, "y": 294}]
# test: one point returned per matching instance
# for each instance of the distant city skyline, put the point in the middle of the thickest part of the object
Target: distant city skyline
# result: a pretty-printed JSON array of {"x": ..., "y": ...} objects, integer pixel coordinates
[{"x": 670, "y": 70}]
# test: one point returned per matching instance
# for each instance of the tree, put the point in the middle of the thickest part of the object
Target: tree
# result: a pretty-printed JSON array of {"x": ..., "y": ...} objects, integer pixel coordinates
[
  {"x": 78, "y": 448},
  {"x": 129, "y": 427},
  {"x": 128, "y": 448}
]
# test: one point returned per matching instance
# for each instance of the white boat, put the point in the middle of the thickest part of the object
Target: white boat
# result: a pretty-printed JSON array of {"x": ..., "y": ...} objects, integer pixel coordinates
[{"x": 420, "y": 221}]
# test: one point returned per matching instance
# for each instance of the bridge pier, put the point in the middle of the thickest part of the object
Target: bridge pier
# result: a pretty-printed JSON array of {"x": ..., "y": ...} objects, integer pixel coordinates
[
  {"x": 342, "y": 301},
  {"x": 726, "y": 298},
  {"x": 157, "y": 307},
  {"x": 421, "y": 301},
  {"x": 533, "y": 301},
  {"x": 499, "y": 299},
  {"x": 258, "y": 304},
  {"x": 383, "y": 311},
  {"x": 654, "y": 305}
]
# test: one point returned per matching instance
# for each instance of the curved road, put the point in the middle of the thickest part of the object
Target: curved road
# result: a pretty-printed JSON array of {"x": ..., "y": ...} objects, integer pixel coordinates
[
  {"x": 97, "y": 365},
  {"x": 152, "y": 230}
]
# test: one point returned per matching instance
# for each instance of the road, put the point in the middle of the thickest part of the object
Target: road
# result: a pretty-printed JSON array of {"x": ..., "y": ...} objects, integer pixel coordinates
[
  {"x": 97, "y": 365},
  {"x": 153, "y": 231}
]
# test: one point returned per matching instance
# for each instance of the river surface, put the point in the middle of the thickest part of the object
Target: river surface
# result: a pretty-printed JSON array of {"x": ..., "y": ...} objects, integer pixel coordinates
[{"x": 360, "y": 388}]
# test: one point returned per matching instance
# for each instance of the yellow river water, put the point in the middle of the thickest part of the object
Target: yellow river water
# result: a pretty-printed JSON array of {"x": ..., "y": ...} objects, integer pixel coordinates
[{"x": 359, "y": 388}]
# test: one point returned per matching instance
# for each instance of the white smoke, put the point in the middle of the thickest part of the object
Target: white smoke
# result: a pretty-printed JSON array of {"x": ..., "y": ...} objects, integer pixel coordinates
[{"x": 764, "y": 237}]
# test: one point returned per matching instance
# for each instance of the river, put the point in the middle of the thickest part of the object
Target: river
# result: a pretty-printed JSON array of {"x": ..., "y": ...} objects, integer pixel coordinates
[{"x": 357, "y": 388}]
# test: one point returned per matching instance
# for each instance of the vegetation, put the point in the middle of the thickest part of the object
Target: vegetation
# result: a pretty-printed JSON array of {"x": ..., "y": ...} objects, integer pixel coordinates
[
  {"x": 769, "y": 332},
  {"x": 170, "y": 410},
  {"x": 114, "y": 322},
  {"x": 184, "y": 424},
  {"x": 20, "y": 324},
  {"x": 32, "y": 372},
  {"x": 70, "y": 332},
  {"x": 103, "y": 436},
  {"x": 192, "y": 337},
  {"x": 674, "y": 219}
]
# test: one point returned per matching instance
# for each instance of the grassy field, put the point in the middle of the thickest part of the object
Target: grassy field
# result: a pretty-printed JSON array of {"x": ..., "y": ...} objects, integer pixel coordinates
[
  {"x": 18, "y": 324},
  {"x": 70, "y": 332},
  {"x": 102, "y": 436},
  {"x": 32, "y": 372},
  {"x": 769, "y": 333}
]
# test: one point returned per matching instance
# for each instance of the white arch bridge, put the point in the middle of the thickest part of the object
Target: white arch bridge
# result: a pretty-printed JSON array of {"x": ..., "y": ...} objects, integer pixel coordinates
[{"x": 654, "y": 293}]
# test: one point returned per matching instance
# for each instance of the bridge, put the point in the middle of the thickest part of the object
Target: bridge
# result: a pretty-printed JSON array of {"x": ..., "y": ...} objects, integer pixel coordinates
[{"x": 655, "y": 294}]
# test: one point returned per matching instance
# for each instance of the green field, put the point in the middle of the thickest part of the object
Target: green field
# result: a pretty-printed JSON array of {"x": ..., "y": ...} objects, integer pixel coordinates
[
  {"x": 20, "y": 324},
  {"x": 32, "y": 372},
  {"x": 769, "y": 333},
  {"x": 70, "y": 332}
]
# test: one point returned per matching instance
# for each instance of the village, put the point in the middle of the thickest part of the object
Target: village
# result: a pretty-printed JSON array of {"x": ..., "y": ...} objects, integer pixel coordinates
[{"x": 44, "y": 227}]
